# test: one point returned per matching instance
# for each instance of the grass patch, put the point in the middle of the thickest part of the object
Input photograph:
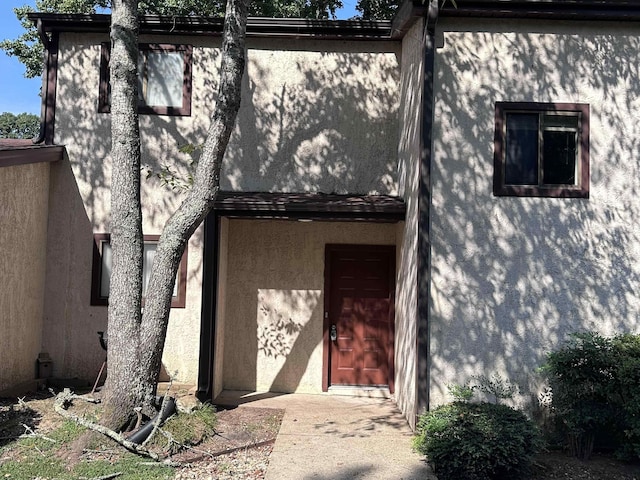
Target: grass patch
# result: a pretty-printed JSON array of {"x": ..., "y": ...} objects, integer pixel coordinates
[
  {"x": 130, "y": 465},
  {"x": 188, "y": 428},
  {"x": 36, "y": 457}
]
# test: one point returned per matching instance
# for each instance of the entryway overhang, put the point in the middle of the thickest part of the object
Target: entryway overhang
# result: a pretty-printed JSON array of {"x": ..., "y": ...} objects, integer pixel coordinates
[
  {"x": 311, "y": 206},
  {"x": 278, "y": 206}
]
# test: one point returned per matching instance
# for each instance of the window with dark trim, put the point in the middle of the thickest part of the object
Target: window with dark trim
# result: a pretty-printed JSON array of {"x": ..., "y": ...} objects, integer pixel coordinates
[
  {"x": 541, "y": 150},
  {"x": 101, "y": 270},
  {"x": 164, "y": 79}
]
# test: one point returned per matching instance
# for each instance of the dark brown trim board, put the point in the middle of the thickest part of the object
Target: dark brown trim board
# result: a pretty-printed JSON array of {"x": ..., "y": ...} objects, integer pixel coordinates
[
  {"x": 12, "y": 153},
  {"x": 179, "y": 301},
  {"x": 424, "y": 203},
  {"x": 292, "y": 28},
  {"x": 582, "y": 10},
  {"x": 51, "y": 90},
  {"x": 208, "y": 320}
]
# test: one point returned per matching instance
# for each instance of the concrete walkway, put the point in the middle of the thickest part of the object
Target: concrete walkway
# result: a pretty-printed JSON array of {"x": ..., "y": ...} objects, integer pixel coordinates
[{"x": 329, "y": 437}]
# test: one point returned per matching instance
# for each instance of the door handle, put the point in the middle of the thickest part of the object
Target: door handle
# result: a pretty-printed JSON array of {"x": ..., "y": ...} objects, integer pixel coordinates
[{"x": 334, "y": 333}]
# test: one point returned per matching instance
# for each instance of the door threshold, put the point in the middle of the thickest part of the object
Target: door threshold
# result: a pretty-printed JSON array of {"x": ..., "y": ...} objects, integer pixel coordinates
[{"x": 360, "y": 391}]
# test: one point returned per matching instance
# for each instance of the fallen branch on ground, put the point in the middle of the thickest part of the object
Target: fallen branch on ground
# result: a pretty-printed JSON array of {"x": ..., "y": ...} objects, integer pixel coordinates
[
  {"x": 164, "y": 463},
  {"x": 107, "y": 477},
  {"x": 73, "y": 396},
  {"x": 65, "y": 398},
  {"x": 30, "y": 433}
]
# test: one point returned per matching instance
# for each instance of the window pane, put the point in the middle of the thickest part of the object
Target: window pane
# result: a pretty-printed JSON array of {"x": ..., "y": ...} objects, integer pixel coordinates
[
  {"x": 105, "y": 274},
  {"x": 149, "y": 254},
  {"x": 164, "y": 79},
  {"x": 560, "y": 122},
  {"x": 521, "y": 156},
  {"x": 559, "y": 157}
]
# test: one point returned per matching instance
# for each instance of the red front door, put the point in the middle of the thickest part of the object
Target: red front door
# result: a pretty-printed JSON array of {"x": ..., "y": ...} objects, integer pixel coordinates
[{"x": 359, "y": 319}]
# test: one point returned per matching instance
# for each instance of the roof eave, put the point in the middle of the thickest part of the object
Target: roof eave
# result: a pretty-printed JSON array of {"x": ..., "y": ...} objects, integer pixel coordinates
[
  {"x": 22, "y": 155},
  {"x": 256, "y": 26},
  {"x": 584, "y": 10}
]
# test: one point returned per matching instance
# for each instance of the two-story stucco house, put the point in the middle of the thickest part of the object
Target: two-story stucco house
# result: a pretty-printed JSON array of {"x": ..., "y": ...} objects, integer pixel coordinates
[{"x": 406, "y": 204}]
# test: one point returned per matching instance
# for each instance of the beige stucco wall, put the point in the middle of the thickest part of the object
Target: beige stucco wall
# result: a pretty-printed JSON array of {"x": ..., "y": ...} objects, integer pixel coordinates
[
  {"x": 315, "y": 116},
  {"x": 24, "y": 191},
  {"x": 408, "y": 161},
  {"x": 71, "y": 322},
  {"x": 275, "y": 300},
  {"x": 513, "y": 276}
]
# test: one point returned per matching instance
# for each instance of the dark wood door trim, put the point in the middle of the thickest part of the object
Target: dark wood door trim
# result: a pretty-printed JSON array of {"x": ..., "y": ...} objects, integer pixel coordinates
[{"x": 331, "y": 249}]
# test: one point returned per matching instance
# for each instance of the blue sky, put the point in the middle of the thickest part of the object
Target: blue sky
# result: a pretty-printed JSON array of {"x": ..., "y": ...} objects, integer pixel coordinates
[{"x": 19, "y": 94}]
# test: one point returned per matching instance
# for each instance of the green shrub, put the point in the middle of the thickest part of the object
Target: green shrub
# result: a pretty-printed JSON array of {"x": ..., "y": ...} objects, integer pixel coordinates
[
  {"x": 476, "y": 441},
  {"x": 580, "y": 375},
  {"x": 626, "y": 353},
  {"x": 596, "y": 392}
]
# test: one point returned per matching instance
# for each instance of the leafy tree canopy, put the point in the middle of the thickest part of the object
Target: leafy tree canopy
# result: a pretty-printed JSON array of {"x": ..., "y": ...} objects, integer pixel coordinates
[
  {"x": 371, "y": 9},
  {"x": 28, "y": 49},
  {"x": 22, "y": 125}
]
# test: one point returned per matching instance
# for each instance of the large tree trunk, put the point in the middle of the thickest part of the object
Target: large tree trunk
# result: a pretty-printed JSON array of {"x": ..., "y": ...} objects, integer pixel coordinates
[
  {"x": 123, "y": 389},
  {"x": 136, "y": 343},
  {"x": 200, "y": 198}
]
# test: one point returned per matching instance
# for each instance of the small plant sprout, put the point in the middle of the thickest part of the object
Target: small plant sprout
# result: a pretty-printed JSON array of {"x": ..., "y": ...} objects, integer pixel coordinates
[{"x": 460, "y": 393}]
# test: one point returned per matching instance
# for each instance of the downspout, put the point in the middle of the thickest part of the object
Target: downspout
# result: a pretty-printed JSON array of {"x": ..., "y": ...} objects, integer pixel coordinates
[
  {"x": 424, "y": 204},
  {"x": 208, "y": 320},
  {"x": 48, "y": 89}
]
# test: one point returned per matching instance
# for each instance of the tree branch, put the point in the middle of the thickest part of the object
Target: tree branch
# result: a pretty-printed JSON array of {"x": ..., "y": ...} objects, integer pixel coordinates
[{"x": 64, "y": 400}]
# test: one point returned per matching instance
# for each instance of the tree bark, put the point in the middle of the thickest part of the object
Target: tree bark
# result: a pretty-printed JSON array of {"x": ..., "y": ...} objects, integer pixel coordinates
[
  {"x": 123, "y": 390},
  {"x": 200, "y": 198},
  {"x": 136, "y": 341}
]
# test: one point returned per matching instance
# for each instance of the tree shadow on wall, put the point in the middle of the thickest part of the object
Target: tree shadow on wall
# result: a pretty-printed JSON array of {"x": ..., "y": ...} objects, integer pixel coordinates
[
  {"x": 511, "y": 277},
  {"x": 317, "y": 121}
]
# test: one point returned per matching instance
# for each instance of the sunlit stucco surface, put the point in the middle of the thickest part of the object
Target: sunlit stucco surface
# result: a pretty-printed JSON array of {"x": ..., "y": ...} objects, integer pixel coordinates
[
  {"x": 512, "y": 277},
  {"x": 316, "y": 116},
  {"x": 24, "y": 195}
]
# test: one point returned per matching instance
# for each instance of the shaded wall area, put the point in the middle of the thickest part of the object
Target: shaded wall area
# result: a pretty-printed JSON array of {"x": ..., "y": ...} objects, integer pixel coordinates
[
  {"x": 512, "y": 277},
  {"x": 274, "y": 302},
  {"x": 408, "y": 161},
  {"x": 24, "y": 196}
]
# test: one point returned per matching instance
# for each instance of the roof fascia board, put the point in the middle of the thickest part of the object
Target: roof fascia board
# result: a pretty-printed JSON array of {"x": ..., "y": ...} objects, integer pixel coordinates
[
  {"x": 585, "y": 10},
  {"x": 310, "y": 206},
  {"x": 408, "y": 13},
  {"x": 36, "y": 154},
  {"x": 256, "y": 27}
]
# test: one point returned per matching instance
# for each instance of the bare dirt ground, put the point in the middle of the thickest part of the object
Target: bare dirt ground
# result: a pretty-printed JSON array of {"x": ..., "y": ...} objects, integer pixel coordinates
[
  {"x": 244, "y": 439},
  {"x": 239, "y": 450},
  {"x": 557, "y": 465}
]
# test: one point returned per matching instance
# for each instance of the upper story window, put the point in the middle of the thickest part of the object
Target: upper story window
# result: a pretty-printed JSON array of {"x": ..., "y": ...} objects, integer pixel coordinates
[
  {"x": 541, "y": 150},
  {"x": 101, "y": 270},
  {"x": 164, "y": 79}
]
